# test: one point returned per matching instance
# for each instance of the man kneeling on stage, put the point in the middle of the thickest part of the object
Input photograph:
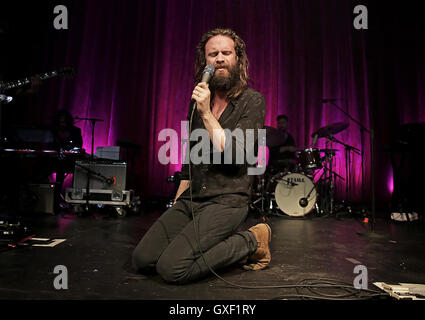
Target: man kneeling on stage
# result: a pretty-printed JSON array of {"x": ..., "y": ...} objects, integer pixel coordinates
[{"x": 220, "y": 192}]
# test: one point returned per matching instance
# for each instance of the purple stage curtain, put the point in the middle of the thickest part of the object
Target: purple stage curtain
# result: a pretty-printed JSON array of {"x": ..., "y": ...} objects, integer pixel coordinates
[{"x": 135, "y": 68}]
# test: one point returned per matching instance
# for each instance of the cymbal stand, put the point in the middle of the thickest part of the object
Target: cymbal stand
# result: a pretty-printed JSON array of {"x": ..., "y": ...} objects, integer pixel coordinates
[
  {"x": 323, "y": 201},
  {"x": 348, "y": 176},
  {"x": 371, "y": 132},
  {"x": 329, "y": 180}
]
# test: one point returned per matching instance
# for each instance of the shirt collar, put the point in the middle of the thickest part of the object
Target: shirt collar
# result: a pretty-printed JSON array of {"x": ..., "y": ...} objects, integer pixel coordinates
[{"x": 231, "y": 106}]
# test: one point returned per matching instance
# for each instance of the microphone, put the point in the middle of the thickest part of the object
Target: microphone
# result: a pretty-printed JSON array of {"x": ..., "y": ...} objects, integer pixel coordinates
[
  {"x": 208, "y": 73},
  {"x": 332, "y": 99},
  {"x": 206, "y": 77}
]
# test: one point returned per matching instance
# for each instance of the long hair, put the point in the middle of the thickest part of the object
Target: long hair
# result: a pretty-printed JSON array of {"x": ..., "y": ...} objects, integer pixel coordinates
[{"x": 242, "y": 62}]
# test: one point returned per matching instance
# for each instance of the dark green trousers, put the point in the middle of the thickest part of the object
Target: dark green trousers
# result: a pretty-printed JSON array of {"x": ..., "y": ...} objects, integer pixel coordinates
[{"x": 171, "y": 247}]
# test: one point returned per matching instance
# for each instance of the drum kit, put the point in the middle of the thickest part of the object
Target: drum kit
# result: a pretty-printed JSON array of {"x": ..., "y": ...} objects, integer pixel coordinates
[{"x": 308, "y": 185}]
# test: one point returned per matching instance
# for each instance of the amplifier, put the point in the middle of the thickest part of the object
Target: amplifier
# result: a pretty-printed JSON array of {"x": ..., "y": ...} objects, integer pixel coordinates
[
  {"x": 37, "y": 198},
  {"x": 104, "y": 175}
]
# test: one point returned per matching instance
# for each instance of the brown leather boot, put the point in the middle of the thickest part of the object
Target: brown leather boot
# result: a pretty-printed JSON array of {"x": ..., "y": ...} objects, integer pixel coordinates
[{"x": 261, "y": 257}]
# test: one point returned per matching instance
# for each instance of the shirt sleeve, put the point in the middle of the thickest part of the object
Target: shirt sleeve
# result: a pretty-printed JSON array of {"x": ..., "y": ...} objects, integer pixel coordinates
[
  {"x": 185, "y": 167},
  {"x": 251, "y": 118}
]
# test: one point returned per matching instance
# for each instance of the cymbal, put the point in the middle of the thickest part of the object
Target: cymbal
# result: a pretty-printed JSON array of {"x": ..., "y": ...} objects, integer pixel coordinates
[
  {"x": 274, "y": 137},
  {"x": 331, "y": 129}
]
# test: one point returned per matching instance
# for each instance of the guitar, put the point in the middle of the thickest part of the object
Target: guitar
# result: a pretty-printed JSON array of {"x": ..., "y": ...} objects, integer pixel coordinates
[{"x": 27, "y": 81}]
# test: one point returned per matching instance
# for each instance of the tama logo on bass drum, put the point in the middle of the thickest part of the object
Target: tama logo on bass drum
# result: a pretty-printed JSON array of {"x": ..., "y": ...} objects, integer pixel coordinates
[{"x": 296, "y": 179}]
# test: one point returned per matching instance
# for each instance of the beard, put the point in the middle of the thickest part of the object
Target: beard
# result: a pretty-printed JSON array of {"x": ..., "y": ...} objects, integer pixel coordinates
[{"x": 227, "y": 82}]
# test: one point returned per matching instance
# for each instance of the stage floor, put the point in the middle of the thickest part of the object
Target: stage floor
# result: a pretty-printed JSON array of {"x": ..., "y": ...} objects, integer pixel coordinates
[{"x": 97, "y": 255}]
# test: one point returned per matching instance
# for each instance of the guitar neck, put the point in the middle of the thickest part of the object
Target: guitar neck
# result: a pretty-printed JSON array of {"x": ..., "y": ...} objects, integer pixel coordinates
[{"x": 26, "y": 81}]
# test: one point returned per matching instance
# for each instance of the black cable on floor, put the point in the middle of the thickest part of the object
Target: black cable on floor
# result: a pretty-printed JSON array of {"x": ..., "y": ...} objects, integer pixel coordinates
[
  {"x": 289, "y": 286},
  {"x": 313, "y": 286}
]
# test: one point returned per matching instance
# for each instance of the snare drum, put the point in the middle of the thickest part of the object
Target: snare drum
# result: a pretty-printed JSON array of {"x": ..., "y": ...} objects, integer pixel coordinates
[{"x": 309, "y": 159}]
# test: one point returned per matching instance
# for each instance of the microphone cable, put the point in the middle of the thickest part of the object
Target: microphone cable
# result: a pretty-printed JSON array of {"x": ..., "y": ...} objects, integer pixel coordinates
[
  {"x": 193, "y": 214},
  {"x": 337, "y": 284},
  {"x": 208, "y": 73}
]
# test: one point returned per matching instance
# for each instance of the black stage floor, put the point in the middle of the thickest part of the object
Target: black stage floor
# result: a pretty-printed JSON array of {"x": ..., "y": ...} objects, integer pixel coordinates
[{"x": 97, "y": 255}]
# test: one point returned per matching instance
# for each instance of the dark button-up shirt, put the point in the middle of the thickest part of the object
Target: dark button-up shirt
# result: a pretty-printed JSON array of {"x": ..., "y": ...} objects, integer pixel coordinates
[
  {"x": 276, "y": 154},
  {"x": 227, "y": 182}
]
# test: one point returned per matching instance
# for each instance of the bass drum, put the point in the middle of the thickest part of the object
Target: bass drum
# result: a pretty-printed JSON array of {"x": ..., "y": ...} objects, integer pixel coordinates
[{"x": 295, "y": 194}]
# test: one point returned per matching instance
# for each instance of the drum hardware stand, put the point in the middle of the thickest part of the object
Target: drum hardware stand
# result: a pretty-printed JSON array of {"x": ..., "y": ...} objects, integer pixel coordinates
[
  {"x": 314, "y": 187},
  {"x": 331, "y": 182},
  {"x": 330, "y": 175},
  {"x": 348, "y": 176},
  {"x": 253, "y": 203},
  {"x": 319, "y": 208},
  {"x": 262, "y": 194},
  {"x": 372, "y": 161}
]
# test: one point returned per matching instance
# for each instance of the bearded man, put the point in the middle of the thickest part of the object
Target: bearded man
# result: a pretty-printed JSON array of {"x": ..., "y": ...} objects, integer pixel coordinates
[{"x": 219, "y": 193}]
